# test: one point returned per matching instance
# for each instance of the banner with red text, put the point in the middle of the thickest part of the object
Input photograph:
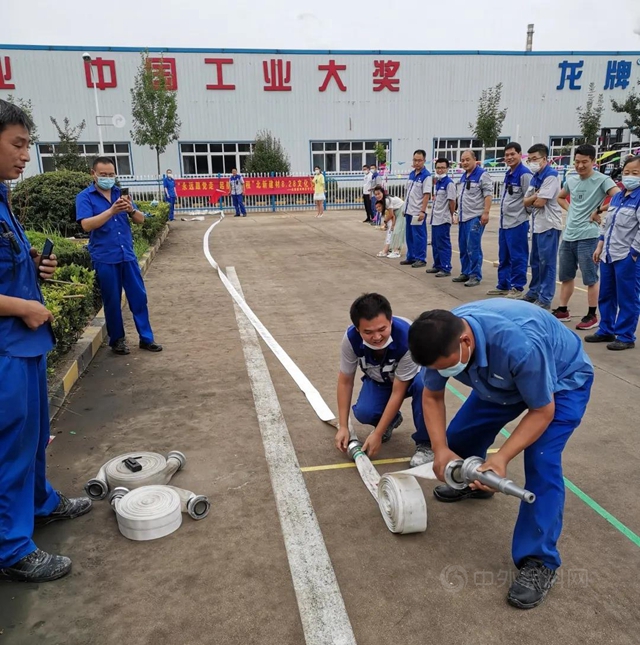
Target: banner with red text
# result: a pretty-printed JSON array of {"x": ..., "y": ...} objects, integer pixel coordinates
[{"x": 206, "y": 187}]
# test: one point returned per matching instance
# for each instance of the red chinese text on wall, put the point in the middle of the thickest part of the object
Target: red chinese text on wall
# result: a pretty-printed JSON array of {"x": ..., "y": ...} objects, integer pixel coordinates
[
  {"x": 5, "y": 74},
  {"x": 164, "y": 67},
  {"x": 97, "y": 77},
  {"x": 332, "y": 73},
  {"x": 384, "y": 72},
  {"x": 277, "y": 75},
  {"x": 219, "y": 84}
]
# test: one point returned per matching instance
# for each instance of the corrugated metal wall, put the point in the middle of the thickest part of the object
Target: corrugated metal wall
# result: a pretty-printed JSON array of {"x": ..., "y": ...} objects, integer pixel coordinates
[{"x": 437, "y": 97}]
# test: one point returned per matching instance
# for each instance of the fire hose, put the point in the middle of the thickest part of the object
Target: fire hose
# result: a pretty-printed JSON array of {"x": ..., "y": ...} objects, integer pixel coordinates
[{"x": 152, "y": 512}]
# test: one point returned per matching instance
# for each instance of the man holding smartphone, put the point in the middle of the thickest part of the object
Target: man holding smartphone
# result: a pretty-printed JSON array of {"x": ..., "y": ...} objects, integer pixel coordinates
[
  {"x": 26, "y": 497},
  {"x": 104, "y": 211}
]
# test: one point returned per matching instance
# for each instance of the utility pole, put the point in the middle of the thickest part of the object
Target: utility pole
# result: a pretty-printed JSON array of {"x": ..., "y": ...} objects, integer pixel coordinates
[{"x": 529, "y": 37}]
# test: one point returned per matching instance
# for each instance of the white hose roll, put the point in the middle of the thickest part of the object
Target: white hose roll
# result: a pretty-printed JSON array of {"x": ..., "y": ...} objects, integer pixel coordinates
[
  {"x": 147, "y": 513},
  {"x": 197, "y": 506},
  {"x": 156, "y": 469}
]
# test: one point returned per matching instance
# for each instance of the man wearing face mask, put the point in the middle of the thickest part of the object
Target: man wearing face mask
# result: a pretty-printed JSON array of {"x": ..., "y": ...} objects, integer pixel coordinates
[
  {"x": 517, "y": 359},
  {"x": 442, "y": 216},
  {"x": 415, "y": 211},
  {"x": 236, "y": 186},
  {"x": 377, "y": 341},
  {"x": 104, "y": 212},
  {"x": 170, "y": 195}
]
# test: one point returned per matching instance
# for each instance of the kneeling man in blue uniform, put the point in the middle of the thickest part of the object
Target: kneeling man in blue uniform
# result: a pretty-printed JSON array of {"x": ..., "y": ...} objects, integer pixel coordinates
[
  {"x": 378, "y": 343},
  {"x": 103, "y": 211},
  {"x": 516, "y": 358},
  {"x": 26, "y": 497}
]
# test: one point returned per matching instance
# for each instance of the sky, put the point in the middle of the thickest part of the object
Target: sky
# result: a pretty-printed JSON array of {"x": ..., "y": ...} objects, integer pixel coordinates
[{"x": 567, "y": 25}]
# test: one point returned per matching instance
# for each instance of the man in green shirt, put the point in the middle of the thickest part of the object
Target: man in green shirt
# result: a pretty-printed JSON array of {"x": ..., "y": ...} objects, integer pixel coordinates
[{"x": 588, "y": 189}]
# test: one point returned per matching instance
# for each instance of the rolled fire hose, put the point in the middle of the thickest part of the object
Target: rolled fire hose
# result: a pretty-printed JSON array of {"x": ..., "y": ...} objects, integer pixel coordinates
[
  {"x": 152, "y": 468},
  {"x": 152, "y": 512},
  {"x": 461, "y": 472}
]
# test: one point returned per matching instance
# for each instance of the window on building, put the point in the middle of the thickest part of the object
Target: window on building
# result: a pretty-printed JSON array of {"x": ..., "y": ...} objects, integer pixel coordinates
[
  {"x": 119, "y": 152},
  {"x": 452, "y": 149},
  {"x": 560, "y": 149},
  {"x": 214, "y": 158},
  {"x": 345, "y": 156}
]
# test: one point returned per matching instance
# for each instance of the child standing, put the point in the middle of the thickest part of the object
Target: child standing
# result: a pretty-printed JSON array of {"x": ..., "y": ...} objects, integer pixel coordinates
[{"x": 318, "y": 191}]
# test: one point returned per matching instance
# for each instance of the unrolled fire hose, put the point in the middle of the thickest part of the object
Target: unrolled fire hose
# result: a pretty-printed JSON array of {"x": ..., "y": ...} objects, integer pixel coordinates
[
  {"x": 134, "y": 469},
  {"x": 152, "y": 512}
]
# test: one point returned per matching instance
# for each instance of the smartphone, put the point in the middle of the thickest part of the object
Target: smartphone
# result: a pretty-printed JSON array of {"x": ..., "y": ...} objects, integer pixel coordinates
[
  {"x": 124, "y": 192},
  {"x": 46, "y": 253}
]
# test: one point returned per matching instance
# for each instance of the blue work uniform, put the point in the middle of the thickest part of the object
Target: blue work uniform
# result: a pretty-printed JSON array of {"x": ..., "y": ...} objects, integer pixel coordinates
[
  {"x": 418, "y": 185},
  {"x": 169, "y": 184},
  {"x": 524, "y": 359},
  {"x": 475, "y": 186},
  {"x": 619, "y": 299},
  {"x": 441, "y": 224},
  {"x": 24, "y": 403},
  {"x": 513, "y": 235},
  {"x": 115, "y": 264},
  {"x": 379, "y": 374},
  {"x": 236, "y": 187}
]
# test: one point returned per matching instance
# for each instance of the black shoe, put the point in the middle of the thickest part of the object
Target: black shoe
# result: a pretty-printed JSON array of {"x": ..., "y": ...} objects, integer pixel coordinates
[
  {"x": 600, "y": 338},
  {"x": 151, "y": 347},
  {"x": 418, "y": 264},
  {"x": 67, "y": 509},
  {"x": 38, "y": 566},
  {"x": 528, "y": 298},
  {"x": 366, "y": 221},
  {"x": 443, "y": 274},
  {"x": 120, "y": 347},
  {"x": 392, "y": 426},
  {"x": 433, "y": 270},
  {"x": 532, "y": 585},
  {"x": 472, "y": 282},
  {"x": 445, "y": 493},
  {"x": 406, "y": 262},
  {"x": 463, "y": 277},
  {"x": 618, "y": 345},
  {"x": 237, "y": 215}
]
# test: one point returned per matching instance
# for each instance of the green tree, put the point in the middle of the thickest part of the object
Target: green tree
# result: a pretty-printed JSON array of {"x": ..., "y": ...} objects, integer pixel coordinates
[
  {"x": 268, "y": 155},
  {"x": 381, "y": 153},
  {"x": 154, "y": 107},
  {"x": 490, "y": 117},
  {"x": 27, "y": 106},
  {"x": 631, "y": 107},
  {"x": 590, "y": 115},
  {"x": 67, "y": 152}
]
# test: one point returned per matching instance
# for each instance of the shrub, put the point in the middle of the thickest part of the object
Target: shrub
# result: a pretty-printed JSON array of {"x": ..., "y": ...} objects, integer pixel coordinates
[
  {"x": 47, "y": 202},
  {"x": 67, "y": 251},
  {"x": 153, "y": 225},
  {"x": 72, "y": 305}
]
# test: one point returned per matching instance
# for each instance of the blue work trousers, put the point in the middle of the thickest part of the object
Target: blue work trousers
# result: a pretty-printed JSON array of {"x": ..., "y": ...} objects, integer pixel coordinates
[
  {"x": 544, "y": 263},
  {"x": 441, "y": 246},
  {"x": 470, "y": 243},
  {"x": 619, "y": 299},
  {"x": 112, "y": 278},
  {"x": 373, "y": 400},
  {"x": 172, "y": 207},
  {"x": 513, "y": 257},
  {"x": 416, "y": 240},
  {"x": 238, "y": 204},
  {"x": 539, "y": 525},
  {"x": 24, "y": 435}
]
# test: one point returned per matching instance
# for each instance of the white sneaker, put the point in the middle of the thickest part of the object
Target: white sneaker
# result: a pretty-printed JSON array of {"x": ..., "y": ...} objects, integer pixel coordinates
[
  {"x": 423, "y": 455},
  {"x": 393, "y": 255}
]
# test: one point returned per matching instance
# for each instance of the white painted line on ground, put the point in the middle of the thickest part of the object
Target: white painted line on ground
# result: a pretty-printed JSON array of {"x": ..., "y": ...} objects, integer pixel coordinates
[{"x": 320, "y": 603}]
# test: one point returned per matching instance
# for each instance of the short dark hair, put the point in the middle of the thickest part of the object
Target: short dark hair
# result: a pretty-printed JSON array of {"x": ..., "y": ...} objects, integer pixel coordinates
[
  {"x": 434, "y": 334},
  {"x": 630, "y": 159},
  {"x": 369, "y": 306},
  {"x": 420, "y": 152},
  {"x": 364, "y": 165},
  {"x": 380, "y": 203},
  {"x": 442, "y": 160},
  {"x": 169, "y": 170},
  {"x": 98, "y": 160},
  {"x": 587, "y": 150},
  {"x": 513, "y": 145},
  {"x": 11, "y": 114},
  {"x": 540, "y": 148},
  {"x": 234, "y": 169},
  {"x": 381, "y": 189}
]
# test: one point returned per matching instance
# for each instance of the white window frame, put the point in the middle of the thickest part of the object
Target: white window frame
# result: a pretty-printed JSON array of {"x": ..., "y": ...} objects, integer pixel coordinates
[
  {"x": 211, "y": 152},
  {"x": 109, "y": 151},
  {"x": 358, "y": 152},
  {"x": 451, "y": 148}
]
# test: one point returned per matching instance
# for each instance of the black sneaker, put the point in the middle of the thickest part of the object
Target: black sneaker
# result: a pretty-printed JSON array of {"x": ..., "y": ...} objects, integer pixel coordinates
[
  {"x": 445, "y": 493},
  {"x": 418, "y": 264},
  {"x": 433, "y": 270},
  {"x": 67, "y": 509},
  {"x": 618, "y": 345},
  {"x": 405, "y": 262},
  {"x": 151, "y": 347},
  {"x": 443, "y": 274},
  {"x": 473, "y": 281},
  {"x": 532, "y": 585},
  {"x": 463, "y": 277},
  {"x": 38, "y": 566},
  {"x": 531, "y": 299},
  {"x": 120, "y": 347},
  {"x": 392, "y": 426},
  {"x": 600, "y": 338}
]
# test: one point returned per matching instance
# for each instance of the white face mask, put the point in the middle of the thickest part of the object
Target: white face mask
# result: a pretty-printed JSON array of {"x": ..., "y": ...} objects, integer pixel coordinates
[
  {"x": 454, "y": 370},
  {"x": 366, "y": 344},
  {"x": 534, "y": 166},
  {"x": 438, "y": 176}
]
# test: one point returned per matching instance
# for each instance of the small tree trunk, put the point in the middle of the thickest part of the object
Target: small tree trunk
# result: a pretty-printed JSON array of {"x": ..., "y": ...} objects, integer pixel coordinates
[{"x": 159, "y": 177}]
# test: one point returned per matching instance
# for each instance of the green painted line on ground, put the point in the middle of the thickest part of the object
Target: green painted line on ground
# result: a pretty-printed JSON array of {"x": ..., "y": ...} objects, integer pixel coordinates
[{"x": 579, "y": 493}]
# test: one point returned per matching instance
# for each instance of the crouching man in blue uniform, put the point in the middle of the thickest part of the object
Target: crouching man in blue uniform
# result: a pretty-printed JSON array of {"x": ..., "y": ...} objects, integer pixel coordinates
[
  {"x": 103, "y": 211},
  {"x": 516, "y": 358},
  {"x": 378, "y": 343},
  {"x": 26, "y": 497}
]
